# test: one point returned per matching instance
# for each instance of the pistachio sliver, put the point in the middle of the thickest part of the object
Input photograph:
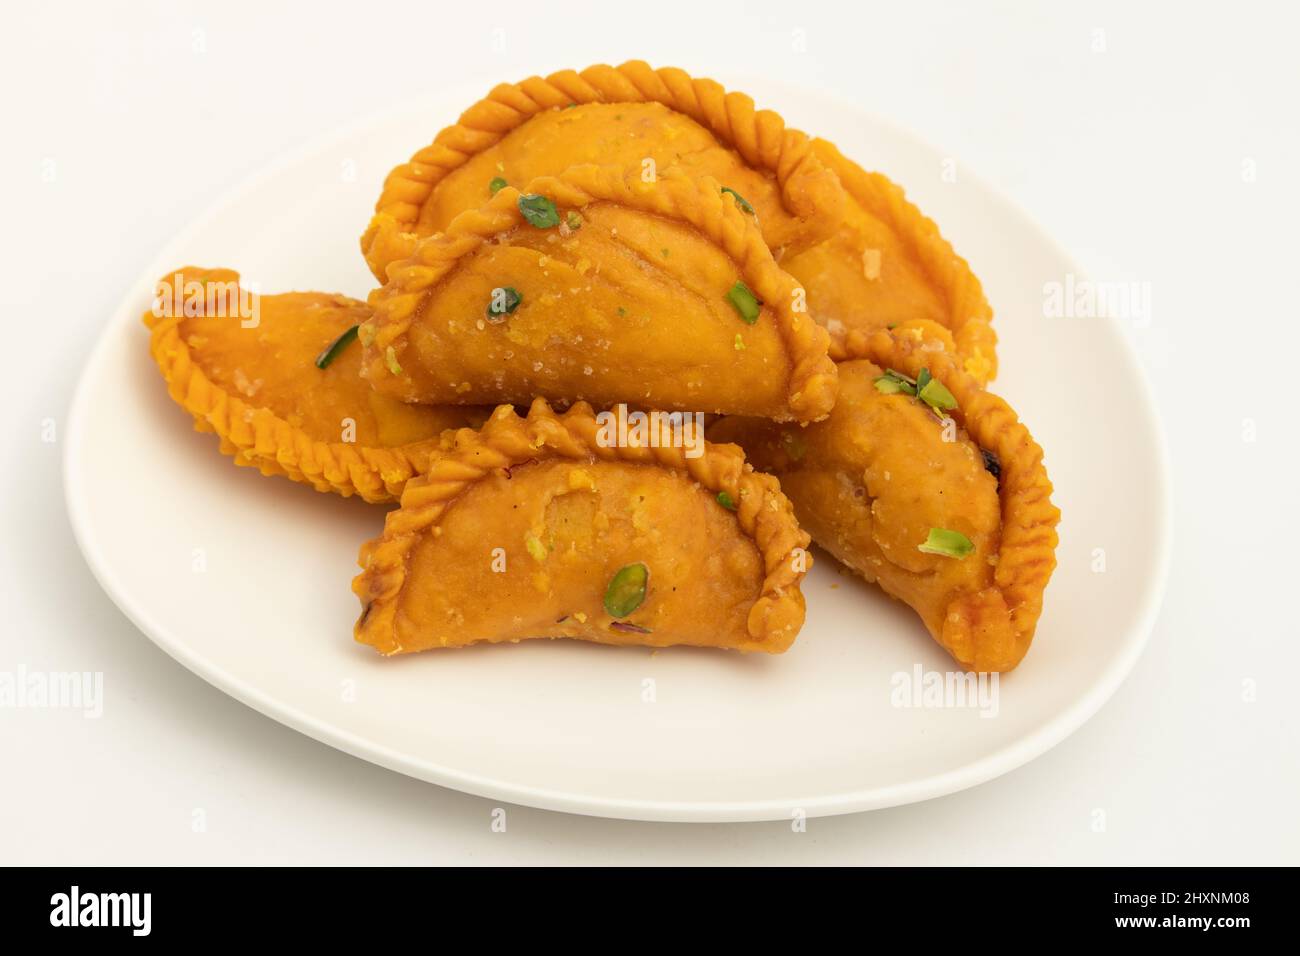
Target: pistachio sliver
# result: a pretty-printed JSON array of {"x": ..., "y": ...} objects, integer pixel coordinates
[
  {"x": 629, "y": 628},
  {"x": 726, "y": 501},
  {"x": 504, "y": 300},
  {"x": 333, "y": 350},
  {"x": 893, "y": 383},
  {"x": 390, "y": 360},
  {"x": 497, "y": 184},
  {"x": 626, "y": 590},
  {"x": 535, "y": 547},
  {"x": 934, "y": 394},
  {"x": 744, "y": 302},
  {"x": 950, "y": 544},
  {"x": 539, "y": 211},
  {"x": 741, "y": 201},
  {"x": 892, "y": 386}
]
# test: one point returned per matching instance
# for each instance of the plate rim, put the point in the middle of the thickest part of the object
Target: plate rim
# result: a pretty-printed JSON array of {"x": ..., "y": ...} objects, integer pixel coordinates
[{"x": 979, "y": 771}]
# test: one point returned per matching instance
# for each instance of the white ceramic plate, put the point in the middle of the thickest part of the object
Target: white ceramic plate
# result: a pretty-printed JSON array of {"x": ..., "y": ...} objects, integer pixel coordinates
[{"x": 245, "y": 580}]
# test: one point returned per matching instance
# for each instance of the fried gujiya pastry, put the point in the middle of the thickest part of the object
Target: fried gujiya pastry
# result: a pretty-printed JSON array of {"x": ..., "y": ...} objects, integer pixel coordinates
[
  {"x": 277, "y": 378},
  {"x": 926, "y": 484},
  {"x": 867, "y": 256},
  {"x": 539, "y": 527},
  {"x": 889, "y": 264},
  {"x": 629, "y": 116},
  {"x": 597, "y": 285}
]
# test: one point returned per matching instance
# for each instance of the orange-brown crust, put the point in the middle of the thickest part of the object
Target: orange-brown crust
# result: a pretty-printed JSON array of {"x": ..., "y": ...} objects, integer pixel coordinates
[
  {"x": 759, "y": 136},
  {"x": 812, "y": 382},
  {"x": 255, "y": 436},
  {"x": 991, "y": 629},
  {"x": 814, "y": 178},
  {"x": 762, "y": 511},
  {"x": 970, "y": 316}
]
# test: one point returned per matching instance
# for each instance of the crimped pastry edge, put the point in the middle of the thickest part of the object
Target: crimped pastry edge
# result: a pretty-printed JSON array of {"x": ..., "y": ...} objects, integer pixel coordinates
[
  {"x": 800, "y": 163},
  {"x": 700, "y": 202},
  {"x": 256, "y": 437},
  {"x": 506, "y": 439},
  {"x": 1027, "y": 550},
  {"x": 970, "y": 317},
  {"x": 760, "y": 137}
]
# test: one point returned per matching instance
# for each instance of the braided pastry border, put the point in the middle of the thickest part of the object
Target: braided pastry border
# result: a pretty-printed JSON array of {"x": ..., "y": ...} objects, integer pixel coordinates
[
  {"x": 970, "y": 316},
  {"x": 812, "y": 173},
  {"x": 813, "y": 385},
  {"x": 256, "y": 437},
  {"x": 760, "y": 137},
  {"x": 763, "y": 512},
  {"x": 1027, "y": 552}
]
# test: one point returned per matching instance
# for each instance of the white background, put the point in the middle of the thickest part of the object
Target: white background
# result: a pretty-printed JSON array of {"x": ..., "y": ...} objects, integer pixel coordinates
[{"x": 1158, "y": 145}]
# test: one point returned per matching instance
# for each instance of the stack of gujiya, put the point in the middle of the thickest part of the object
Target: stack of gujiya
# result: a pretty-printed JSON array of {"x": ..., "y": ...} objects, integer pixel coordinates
[{"x": 630, "y": 237}]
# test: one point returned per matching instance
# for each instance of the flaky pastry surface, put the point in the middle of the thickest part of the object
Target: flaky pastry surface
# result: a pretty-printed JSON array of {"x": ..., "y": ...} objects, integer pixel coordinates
[
  {"x": 867, "y": 256},
  {"x": 519, "y": 531},
  {"x": 258, "y": 389},
  {"x": 630, "y": 304},
  {"x": 871, "y": 481}
]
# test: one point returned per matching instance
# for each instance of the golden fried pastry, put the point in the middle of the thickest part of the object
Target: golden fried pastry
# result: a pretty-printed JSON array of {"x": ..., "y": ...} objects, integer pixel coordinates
[
  {"x": 889, "y": 264},
  {"x": 627, "y": 116},
  {"x": 537, "y": 527},
  {"x": 277, "y": 378},
  {"x": 867, "y": 257},
  {"x": 595, "y": 285},
  {"x": 926, "y": 484}
]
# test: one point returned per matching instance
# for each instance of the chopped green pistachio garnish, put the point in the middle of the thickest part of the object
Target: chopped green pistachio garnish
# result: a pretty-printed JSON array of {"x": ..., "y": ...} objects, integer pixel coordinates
[
  {"x": 621, "y": 312},
  {"x": 740, "y": 343},
  {"x": 934, "y": 394},
  {"x": 665, "y": 253},
  {"x": 505, "y": 300},
  {"x": 571, "y": 106},
  {"x": 535, "y": 547},
  {"x": 390, "y": 359},
  {"x": 744, "y": 302},
  {"x": 726, "y": 501},
  {"x": 539, "y": 211},
  {"x": 950, "y": 544},
  {"x": 630, "y": 628},
  {"x": 892, "y": 383},
  {"x": 334, "y": 348},
  {"x": 892, "y": 325},
  {"x": 741, "y": 201},
  {"x": 573, "y": 220},
  {"x": 626, "y": 589},
  {"x": 925, "y": 387},
  {"x": 497, "y": 184},
  {"x": 891, "y": 386},
  {"x": 366, "y": 333}
]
